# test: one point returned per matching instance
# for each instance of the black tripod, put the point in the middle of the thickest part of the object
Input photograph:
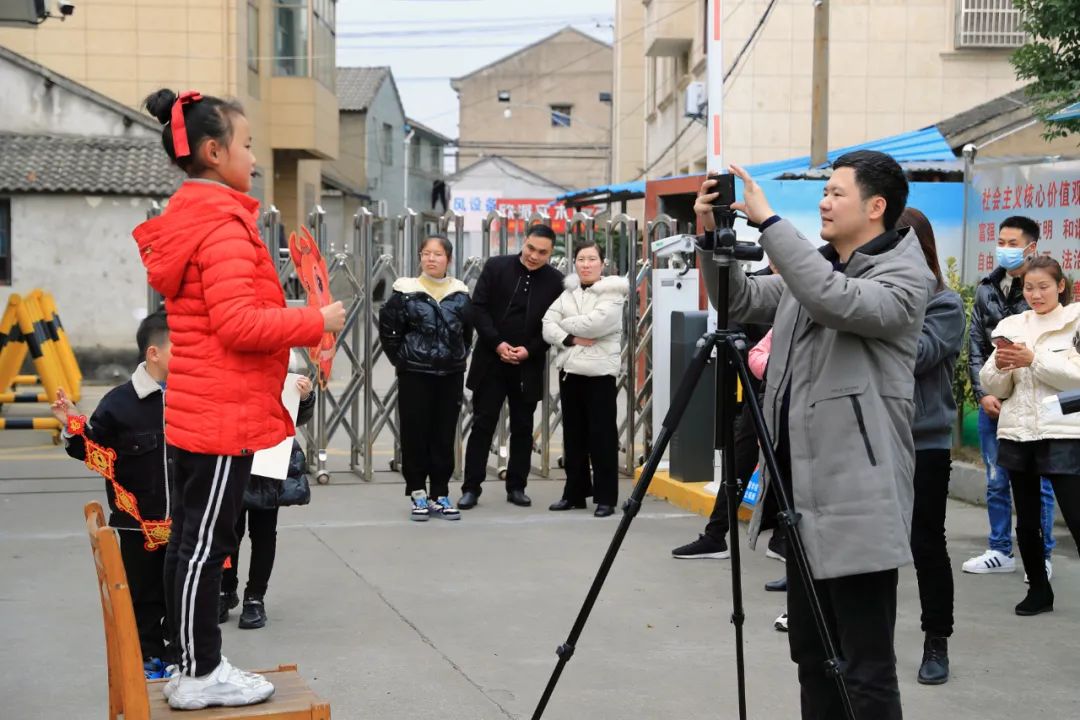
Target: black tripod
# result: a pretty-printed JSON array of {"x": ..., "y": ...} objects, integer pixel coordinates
[{"x": 730, "y": 370}]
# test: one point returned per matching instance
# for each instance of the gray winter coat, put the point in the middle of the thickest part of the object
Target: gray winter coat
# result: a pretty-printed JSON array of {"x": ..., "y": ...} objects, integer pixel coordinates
[
  {"x": 845, "y": 344},
  {"x": 940, "y": 343}
]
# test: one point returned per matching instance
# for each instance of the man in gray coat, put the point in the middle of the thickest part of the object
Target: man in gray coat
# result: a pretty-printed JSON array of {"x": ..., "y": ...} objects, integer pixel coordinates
[{"x": 838, "y": 404}]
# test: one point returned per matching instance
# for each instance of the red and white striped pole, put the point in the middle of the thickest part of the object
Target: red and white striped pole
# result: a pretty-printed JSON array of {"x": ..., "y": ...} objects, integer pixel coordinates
[{"x": 714, "y": 48}]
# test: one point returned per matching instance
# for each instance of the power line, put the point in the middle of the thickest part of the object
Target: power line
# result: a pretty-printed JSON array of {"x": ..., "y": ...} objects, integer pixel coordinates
[
  {"x": 734, "y": 65},
  {"x": 587, "y": 55}
]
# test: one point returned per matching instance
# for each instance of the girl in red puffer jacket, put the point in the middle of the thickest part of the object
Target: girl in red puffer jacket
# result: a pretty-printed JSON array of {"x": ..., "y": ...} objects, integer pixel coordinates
[{"x": 231, "y": 334}]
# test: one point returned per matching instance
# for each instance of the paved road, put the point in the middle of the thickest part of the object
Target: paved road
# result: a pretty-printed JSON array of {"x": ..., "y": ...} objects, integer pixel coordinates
[{"x": 393, "y": 619}]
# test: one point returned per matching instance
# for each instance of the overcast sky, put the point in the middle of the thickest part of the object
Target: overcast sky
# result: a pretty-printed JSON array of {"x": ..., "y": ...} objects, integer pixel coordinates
[{"x": 427, "y": 42}]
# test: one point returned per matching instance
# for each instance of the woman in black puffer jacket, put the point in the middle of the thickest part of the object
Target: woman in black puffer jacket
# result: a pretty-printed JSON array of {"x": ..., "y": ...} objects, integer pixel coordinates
[{"x": 425, "y": 332}]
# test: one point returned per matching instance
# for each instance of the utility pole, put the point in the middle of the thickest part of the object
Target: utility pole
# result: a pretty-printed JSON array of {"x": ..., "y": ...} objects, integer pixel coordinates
[{"x": 819, "y": 110}]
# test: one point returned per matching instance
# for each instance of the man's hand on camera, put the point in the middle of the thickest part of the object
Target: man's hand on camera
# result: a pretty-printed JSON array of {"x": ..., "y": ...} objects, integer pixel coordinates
[
  {"x": 754, "y": 205},
  {"x": 703, "y": 205}
]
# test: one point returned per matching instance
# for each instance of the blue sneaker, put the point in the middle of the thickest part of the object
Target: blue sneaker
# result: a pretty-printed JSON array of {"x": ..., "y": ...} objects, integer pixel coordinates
[
  {"x": 154, "y": 669},
  {"x": 420, "y": 506},
  {"x": 442, "y": 507}
]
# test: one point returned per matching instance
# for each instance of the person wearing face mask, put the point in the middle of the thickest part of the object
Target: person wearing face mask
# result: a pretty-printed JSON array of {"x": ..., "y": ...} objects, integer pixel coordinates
[
  {"x": 999, "y": 295},
  {"x": 585, "y": 324},
  {"x": 1035, "y": 358},
  {"x": 425, "y": 331}
]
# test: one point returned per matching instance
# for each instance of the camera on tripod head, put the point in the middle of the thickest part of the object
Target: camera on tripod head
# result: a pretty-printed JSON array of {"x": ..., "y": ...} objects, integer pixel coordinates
[{"x": 723, "y": 242}]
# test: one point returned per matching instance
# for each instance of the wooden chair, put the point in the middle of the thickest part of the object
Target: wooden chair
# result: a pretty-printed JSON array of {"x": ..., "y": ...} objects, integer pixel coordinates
[{"x": 131, "y": 696}]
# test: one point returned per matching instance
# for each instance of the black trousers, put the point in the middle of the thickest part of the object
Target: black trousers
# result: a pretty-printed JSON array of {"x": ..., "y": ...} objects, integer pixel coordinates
[
  {"x": 860, "y": 611},
  {"x": 262, "y": 530},
  {"x": 208, "y": 495},
  {"x": 429, "y": 406},
  {"x": 590, "y": 438},
  {"x": 501, "y": 384},
  {"x": 145, "y": 570},
  {"x": 1027, "y": 499},
  {"x": 933, "y": 569},
  {"x": 746, "y": 459}
]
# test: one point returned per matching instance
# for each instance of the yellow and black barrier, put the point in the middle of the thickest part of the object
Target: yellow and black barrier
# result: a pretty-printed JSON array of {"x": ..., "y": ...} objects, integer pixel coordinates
[
  {"x": 49, "y": 424},
  {"x": 30, "y": 326}
]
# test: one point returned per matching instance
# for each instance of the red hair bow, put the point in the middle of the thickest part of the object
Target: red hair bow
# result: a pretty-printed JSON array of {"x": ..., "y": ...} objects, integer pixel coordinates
[{"x": 179, "y": 129}]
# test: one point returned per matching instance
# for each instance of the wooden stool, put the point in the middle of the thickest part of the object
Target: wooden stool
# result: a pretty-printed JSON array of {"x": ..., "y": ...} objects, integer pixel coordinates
[{"x": 131, "y": 695}]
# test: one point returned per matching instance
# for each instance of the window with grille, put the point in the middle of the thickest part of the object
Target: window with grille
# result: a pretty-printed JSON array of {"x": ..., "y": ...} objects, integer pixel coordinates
[
  {"x": 988, "y": 24},
  {"x": 560, "y": 115}
]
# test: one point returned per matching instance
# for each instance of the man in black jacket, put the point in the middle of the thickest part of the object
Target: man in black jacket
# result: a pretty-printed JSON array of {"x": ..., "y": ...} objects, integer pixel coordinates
[
  {"x": 508, "y": 304},
  {"x": 130, "y": 420},
  {"x": 999, "y": 295}
]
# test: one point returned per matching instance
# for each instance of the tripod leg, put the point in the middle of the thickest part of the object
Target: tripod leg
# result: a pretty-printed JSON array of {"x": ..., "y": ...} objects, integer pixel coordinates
[
  {"x": 790, "y": 519},
  {"x": 727, "y": 402},
  {"x": 630, "y": 510}
]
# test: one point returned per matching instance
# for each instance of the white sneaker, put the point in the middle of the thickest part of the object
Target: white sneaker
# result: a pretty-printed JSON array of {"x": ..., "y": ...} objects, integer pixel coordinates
[
  {"x": 991, "y": 561},
  {"x": 781, "y": 623},
  {"x": 226, "y": 685},
  {"x": 174, "y": 679},
  {"x": 1049, "y": 571},
  {"x": 421, "y": 508}
]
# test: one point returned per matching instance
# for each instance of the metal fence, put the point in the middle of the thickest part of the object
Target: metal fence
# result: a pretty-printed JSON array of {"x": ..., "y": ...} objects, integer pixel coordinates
[{"x": 362, "y": 269}]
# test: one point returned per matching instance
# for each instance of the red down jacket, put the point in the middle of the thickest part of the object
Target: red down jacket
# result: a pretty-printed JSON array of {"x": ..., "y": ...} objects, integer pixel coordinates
[{"x": 230, "y": 330}]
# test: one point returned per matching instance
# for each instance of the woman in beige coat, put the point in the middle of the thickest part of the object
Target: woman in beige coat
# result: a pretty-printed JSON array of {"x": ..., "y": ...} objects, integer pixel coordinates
[
  {"x": 1035, "y": 358},
  {"x": 585, "y": 324}
]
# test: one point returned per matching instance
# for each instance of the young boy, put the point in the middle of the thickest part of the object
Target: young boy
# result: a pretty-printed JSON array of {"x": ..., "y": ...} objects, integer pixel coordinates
[{"x": 130, "y": 420}]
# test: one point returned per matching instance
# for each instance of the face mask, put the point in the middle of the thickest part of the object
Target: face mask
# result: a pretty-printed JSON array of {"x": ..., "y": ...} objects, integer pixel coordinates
[{"x": 1010, "y": 258}]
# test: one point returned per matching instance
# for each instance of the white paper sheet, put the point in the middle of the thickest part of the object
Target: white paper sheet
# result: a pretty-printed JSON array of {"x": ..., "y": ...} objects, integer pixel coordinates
[{"x": 273, "y": 462}]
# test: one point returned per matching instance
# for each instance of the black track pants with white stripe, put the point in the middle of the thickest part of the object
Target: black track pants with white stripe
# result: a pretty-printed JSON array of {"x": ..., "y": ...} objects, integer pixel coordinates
[{"x": 208, "y": 493}]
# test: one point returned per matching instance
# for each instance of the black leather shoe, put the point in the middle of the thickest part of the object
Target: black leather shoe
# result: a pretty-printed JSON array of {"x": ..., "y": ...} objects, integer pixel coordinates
[
  {"x": 565, "y": 504},
  {"x": 517, "y": 497},
  {"x": 226, "y": 602},
  {"x": 467, "y": 501},
  {"x": 604, "y": 511},
  {"x": 253, "y": 615},
  {"x": 777, "y": 585},
  {"x": 935, "y": 661}
]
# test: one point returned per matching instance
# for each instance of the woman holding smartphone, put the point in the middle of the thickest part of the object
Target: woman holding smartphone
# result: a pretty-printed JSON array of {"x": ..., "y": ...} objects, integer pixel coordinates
[{"x": 1036, "y": 357}]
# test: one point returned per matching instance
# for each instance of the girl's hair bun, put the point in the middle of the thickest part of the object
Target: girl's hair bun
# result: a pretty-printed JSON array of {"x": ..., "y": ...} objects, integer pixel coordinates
[{"x": 160, "y": 103}]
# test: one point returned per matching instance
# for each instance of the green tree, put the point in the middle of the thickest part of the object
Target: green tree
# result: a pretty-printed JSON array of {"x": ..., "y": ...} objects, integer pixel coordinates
[
  {"x": 962, "y": 391},
  {"x": 1051, "y": 59}
]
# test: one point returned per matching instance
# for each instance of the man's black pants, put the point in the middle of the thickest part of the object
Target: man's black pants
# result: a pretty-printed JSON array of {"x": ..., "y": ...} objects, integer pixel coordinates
[
  {"x": 208, "y": 495},
  {"x": 429, "y": 407},
  {"x": 145, "y": 570},
  {"x": 501, "y": 384},
  {"x": 746, "y": 459},
  {"x": 590, "y": 438},
  {"x": 932, "y": 565},
  {"x": 262, "y": 529}
]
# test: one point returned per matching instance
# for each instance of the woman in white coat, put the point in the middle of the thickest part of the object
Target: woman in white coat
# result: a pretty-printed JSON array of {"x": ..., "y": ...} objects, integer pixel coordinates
[
  {"x": 585, "y": 325},
  {"x": 1035, "y": 357}
]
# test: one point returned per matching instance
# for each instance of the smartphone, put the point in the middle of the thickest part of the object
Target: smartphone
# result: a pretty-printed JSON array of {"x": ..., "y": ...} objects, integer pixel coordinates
[
  {"x": 725, "y": 185},
  {"x": 1000, "y": 340}
]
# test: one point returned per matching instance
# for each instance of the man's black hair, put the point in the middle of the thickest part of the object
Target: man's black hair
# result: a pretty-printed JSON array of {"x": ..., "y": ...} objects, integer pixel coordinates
[
  {"x": 1024, "y": 224},
  {"x": 878, "y": 174},
  {"x": 541, "y": 230},
  {"x": 153, "y": 330}
]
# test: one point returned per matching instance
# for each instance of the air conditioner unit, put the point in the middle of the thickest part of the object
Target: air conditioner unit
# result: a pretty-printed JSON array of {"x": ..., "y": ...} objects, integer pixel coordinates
[
  {"x": 21, "y": 13},
  {"x": 697, "y": 100},
  {"x": 988, "y": 24}
]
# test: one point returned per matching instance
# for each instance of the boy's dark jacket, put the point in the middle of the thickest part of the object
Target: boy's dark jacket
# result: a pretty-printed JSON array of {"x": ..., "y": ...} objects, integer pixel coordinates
[
  {"x": 263, "y": 493},
  {"x": 130, "y": 420}
]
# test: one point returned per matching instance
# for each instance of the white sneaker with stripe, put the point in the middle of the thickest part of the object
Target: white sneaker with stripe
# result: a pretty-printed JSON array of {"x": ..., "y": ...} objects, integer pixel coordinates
[{"x": 991, "y": 561}]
